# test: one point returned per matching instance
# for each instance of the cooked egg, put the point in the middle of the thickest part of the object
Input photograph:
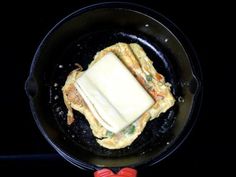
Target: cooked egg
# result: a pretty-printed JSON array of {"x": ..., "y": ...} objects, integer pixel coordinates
[{"x": 117, "y": 105}]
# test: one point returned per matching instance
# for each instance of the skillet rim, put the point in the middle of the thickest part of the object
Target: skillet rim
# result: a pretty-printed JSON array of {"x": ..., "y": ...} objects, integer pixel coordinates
[{"x": 175, "y": 31}]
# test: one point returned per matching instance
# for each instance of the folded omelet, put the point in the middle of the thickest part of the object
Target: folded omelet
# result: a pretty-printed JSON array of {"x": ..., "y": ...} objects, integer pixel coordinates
[{"x": 136, "y": 60}]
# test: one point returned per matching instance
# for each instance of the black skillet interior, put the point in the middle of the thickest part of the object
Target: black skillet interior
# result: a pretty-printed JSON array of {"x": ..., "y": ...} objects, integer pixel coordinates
[{"x": 76, "y": 39}]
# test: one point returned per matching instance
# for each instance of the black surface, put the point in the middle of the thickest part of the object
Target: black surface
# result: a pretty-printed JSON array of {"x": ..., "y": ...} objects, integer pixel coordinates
[{"x": 209, "y": 147}]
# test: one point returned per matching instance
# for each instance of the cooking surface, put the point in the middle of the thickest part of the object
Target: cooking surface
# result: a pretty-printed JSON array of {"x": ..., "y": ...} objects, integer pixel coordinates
[{"x": 23, "y": 147}]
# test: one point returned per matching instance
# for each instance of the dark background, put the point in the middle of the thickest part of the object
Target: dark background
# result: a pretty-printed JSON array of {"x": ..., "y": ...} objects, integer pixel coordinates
[{"x": 209, "y": 148}]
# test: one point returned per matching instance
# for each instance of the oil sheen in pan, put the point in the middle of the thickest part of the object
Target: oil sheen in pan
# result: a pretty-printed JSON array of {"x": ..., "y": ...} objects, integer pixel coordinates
[{"x": 156, "y": 134}]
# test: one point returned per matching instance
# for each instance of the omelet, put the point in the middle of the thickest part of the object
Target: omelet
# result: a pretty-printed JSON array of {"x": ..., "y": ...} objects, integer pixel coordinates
[{"x": 135, "y": 59}]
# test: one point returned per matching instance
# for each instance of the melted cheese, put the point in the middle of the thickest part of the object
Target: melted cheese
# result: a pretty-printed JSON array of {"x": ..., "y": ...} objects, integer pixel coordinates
[{"x": 113, "y": 94}]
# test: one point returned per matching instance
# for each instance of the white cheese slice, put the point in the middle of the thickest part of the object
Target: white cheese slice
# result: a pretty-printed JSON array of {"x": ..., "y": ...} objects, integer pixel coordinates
[
  {"x": 99, "y": 105},
  {"x": 113, "y": 94}
]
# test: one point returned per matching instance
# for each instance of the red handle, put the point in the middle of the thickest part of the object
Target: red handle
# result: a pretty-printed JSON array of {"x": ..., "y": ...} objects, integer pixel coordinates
[{"x": 124, "y": 172}]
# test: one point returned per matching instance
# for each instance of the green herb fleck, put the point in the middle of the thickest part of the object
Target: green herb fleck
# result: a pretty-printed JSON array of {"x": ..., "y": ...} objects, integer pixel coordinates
[
  {"x": 130, "y": 129},
  {"x": 149, "y": 77},
  {"x": 109, "y": 134}
]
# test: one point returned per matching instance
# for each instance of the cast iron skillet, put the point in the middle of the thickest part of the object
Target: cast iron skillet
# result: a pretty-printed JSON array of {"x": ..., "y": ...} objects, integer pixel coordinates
[{"x": 76, "y": 39}]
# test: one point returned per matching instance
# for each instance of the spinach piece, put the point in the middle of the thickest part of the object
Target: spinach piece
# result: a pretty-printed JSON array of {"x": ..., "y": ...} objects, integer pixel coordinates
[
  {"x": 130, "y": 130},
  {"x": 149, "y": 77},
  {"x": 109, "y": 133}
]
